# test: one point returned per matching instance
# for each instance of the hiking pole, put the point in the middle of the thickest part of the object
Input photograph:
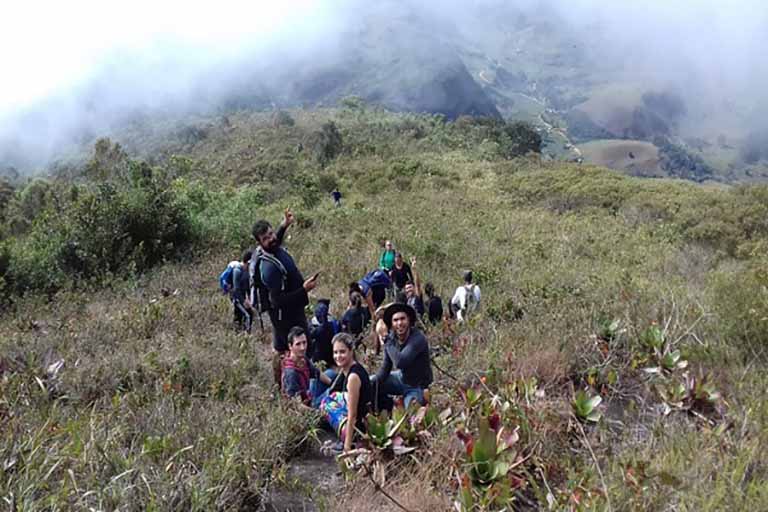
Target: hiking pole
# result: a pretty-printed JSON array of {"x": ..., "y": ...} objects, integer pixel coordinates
[{"x": 441, "y": 370}]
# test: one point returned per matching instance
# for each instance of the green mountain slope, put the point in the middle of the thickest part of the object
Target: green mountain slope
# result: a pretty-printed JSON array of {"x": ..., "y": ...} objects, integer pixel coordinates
[{"x": 123, "y": 386}]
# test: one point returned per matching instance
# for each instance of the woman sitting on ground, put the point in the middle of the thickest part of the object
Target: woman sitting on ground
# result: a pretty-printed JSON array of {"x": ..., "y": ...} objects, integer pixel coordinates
[
  {"x": 350, "y": 399},
  {"x": 299, "y": 376}
]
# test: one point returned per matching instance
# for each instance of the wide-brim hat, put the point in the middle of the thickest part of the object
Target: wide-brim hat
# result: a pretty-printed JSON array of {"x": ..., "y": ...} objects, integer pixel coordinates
[{"x": 398, "y": 307}]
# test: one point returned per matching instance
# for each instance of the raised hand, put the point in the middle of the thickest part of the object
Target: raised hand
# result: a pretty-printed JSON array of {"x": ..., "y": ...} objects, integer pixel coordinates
[{"x": 288, "y": 217}]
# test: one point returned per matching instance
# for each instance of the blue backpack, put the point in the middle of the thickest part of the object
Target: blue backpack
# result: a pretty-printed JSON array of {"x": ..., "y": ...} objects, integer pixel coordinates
[
  {"x": 226, "y": 277},
  {"x": 373, "y": 279}
]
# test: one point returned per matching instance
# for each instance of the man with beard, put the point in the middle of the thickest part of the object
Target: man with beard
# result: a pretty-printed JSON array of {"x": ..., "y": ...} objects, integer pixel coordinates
[
  {"x": 407, "y": 369},
  {"x": 281, "y": 277}
]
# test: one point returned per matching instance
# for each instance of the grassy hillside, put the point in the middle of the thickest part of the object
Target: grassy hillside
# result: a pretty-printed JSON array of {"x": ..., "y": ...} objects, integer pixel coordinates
[{"x": 589, "y": 278}]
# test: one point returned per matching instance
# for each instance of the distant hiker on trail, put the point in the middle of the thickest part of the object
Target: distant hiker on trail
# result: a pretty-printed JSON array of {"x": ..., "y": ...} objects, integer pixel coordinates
[
  {"x": 401, "y": 273},
  {"x": 466, "y": 299},
  {"x": 241, "y": 284},
  {"x": 354, "y": 319},
  {"x": 280, "y": 277},
  {"x": 406, "y": 370},
  {"x": 434, "y": 304},
  {"x": 322, "y": 330},
  {"x": 336, "y": 197},
  {"x": 299, "y": 376},
  {"x": 387, "y": 258},
  {"x": 413, "y": 292},
  {"x": 349, "y": 400}
]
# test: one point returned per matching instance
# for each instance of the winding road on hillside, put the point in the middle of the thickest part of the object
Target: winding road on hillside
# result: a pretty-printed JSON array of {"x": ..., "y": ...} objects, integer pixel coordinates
[{"x": 549, "y": 127}]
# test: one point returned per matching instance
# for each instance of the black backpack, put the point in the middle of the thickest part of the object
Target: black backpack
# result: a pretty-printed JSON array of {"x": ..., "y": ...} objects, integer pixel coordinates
[{"x": 259, "y": 292}]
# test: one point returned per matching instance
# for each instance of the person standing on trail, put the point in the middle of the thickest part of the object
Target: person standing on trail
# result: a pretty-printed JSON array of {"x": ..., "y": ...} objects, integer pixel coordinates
[
  {"x": 241, "y": 283},
  {"x": 401, "y": 273},
  {"x": 407, "y": 369},
  {"x": 466, "y": 299},
  {"x": 336, "y": 195},
  {"x": 288, "y": 290},
  {"x": 387, "y": 258},
  {"x": 434, "y": 304}
]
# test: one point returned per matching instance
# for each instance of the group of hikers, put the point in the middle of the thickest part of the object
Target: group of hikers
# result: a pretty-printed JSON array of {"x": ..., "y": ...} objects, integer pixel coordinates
[{"x": 267, "y": 280}]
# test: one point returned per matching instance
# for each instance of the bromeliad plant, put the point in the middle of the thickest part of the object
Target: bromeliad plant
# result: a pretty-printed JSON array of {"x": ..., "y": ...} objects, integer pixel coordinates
[
  {"x": 383, "y": 433},
  {"x": 585, "y": 407},
  {"x": 403, "y": 431},
  {"x": 696, "y": 395},
  {"x": 489, "y": 458},
  {"x": 664, "y": 359}
]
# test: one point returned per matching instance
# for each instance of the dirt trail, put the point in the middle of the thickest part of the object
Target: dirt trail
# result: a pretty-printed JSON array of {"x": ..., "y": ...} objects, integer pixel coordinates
[{"x": 310, "y": 481}]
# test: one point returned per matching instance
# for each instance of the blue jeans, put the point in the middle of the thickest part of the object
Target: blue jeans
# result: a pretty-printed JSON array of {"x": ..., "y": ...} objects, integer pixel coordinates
[
  {"x": 318, "y": 390},
  {"x": 394, "y": 385}
]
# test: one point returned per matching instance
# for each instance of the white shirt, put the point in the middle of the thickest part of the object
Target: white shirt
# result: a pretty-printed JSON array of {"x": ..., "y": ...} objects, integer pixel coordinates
[{"x": 460, "y": 300}]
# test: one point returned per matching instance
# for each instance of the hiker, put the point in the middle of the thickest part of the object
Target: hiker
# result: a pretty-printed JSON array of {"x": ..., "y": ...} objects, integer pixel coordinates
[
  {"x": 413, "y": 292},
  {"x": 349, "y": 400},
  {"x": 354, "y": 319},
  {"x": 406, "y": 370},
  {"x": 466, "y": 299},
  {"x": 400, "y": 273},
  {"x": 322, "y": 330},
  {"x": 354, "y": 287},
  {"x": 336, "y": 195},
  {"x": 287, "y": 290},
  {"x": 300, "y": 378},
  {"x": 387, "y": 258},
  {"x": 373, "y": 287},
  {"x": 225, "y": 278},
  {"x": 434, "y": 304},
  {"x": 240, "y": 300},
  {"x": 380, "y": 330}
]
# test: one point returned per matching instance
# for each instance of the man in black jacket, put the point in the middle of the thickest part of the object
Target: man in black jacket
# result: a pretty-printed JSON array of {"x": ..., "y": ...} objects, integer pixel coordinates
[
  {"x": 407, "y": 369},
  {"x": 287, "y": 287}
]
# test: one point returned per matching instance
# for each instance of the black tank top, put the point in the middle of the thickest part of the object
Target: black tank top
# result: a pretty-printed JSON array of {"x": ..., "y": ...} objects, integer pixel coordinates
[{"x": 364, "y": 404}]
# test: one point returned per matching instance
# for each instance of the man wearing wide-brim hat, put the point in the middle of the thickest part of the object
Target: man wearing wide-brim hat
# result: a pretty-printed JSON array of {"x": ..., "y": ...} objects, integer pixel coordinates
[{"x": 406, "y": 370}]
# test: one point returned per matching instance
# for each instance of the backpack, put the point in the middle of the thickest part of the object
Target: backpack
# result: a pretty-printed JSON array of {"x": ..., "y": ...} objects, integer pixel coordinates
[
  {"x": 470, "y": 303},
  {"x": 226, "y": 277},
  {"x": 259, "y": 291},
  {"x": 435, "y": 309},
  {"x": 373, "y": 279}
]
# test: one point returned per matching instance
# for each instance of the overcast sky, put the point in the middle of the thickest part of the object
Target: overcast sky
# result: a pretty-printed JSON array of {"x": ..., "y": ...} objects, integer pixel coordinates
[
  {"x": 48, "y": 46},
  {"x": 145, "y": 52}
]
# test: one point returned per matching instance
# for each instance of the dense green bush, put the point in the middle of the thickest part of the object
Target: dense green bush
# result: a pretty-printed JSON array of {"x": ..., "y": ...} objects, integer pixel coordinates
[
  {"x": 326, "y": 144},
  {"x": 107, "y": 228}
]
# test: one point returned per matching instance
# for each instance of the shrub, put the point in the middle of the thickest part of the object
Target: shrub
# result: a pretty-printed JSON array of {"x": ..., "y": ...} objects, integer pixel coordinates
[
  {"x": 281, "y": 118},
  {"x": 110, "y": 227},
  {"x": 326, "y": 144},
  {"x": 30, "y": 202},
  {"x": 742, "y": 308},
  {"x": 522, "y": 139}
]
